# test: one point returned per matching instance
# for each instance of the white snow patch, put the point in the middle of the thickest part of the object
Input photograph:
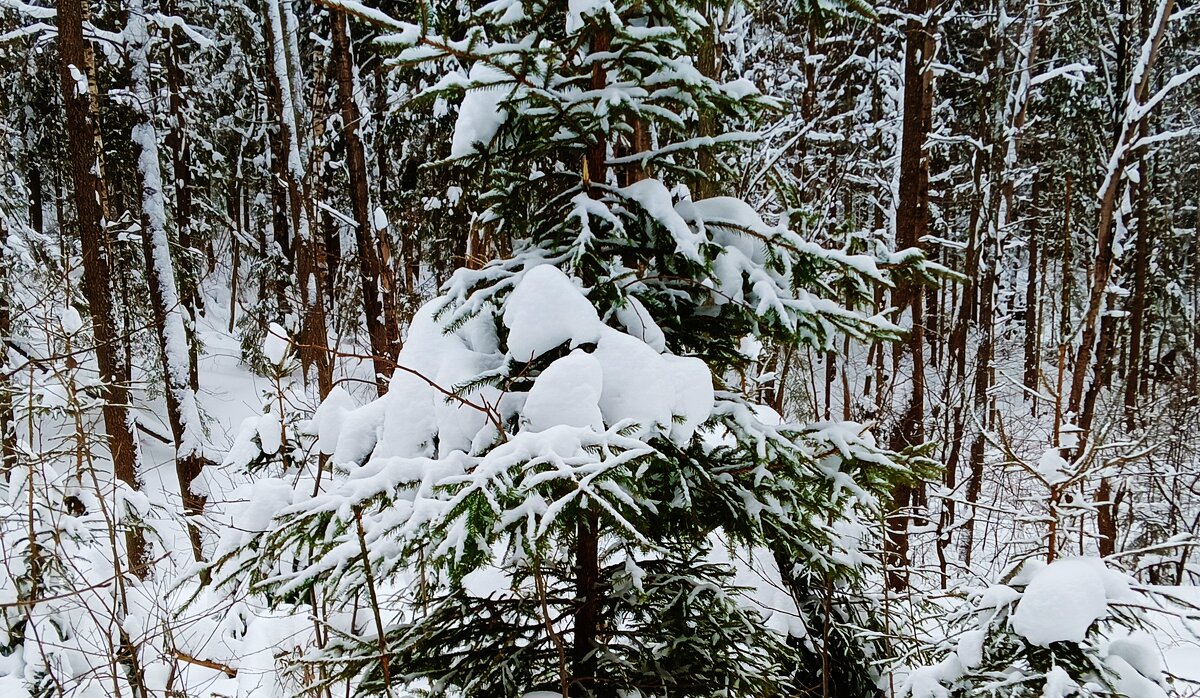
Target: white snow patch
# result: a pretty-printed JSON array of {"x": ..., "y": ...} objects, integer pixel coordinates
[
  {"x": 635, "y": 384},
  {"x": 567, "y": 392},
  {"x": 1052, "y": 466},
  {"x": 545, "y": 310},
  {"x": 70, "y": 320},
  {"x": 379, "y": 219},
  {"x": 577, "y": 10},
  {"x": 276, "y": 344},
  {"x": 480, "y": 115},
  {"x": 637, "y": 321},
  {"x": 1064, "y": 599}
]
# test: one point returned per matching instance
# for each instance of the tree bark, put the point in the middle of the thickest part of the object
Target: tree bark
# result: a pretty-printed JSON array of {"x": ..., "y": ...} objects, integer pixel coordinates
[
  {"x": 912, "y": 222},
  {"x": 80, "y": 100},
  {"x": 1110, "y": 198},
  {"x": 587, "y": 612},
  {"x": 8, "y": 434},
  {"x": 310, "y": 277},
  {"x": 181, "y": 155},
  {"x": 378, "y": 306},
  {"x": 278, "y": 246},
  {"x": 174, "y": 345},
  {"x": 1142, "y": 250},
  {"x": 1033, "y": 324}
]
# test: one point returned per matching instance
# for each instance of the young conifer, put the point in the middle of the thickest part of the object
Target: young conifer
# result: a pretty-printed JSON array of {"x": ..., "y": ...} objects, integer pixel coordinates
[{"x": 571, "y": 484}]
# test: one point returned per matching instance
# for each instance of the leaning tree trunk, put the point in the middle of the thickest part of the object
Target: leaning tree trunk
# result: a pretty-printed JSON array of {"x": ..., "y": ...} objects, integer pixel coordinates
[
  {"x": 1109, "y": 199},
  {"x": 79, "y": 91},
  {"x": 1096, "y": 338},
  {"x": 173, "y": 342}
]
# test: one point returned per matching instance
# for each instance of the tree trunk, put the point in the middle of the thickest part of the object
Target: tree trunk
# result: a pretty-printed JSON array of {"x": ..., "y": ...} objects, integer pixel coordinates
[
  {"x": 310, "y": 278},
  {"x": 8, "y": 433},
  {"x": 378, "y": 306},
  {"x": 1110, "y": 199},
  {"x": 278, "y": 247},
  {"x": 1033, "y": 320},
  {"x": 1137, "y": 315},
  {"x": 912, "y": 221},
  {"x": 181, "y": 155},
  {"x": 79, "y": 90},
  {"x": 587, "y": 612},
  {"x": 173, "y": 342}
]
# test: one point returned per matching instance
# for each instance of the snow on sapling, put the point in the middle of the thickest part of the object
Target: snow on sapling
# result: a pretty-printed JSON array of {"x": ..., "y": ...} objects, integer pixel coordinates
[
  {"x": 1068, "y": 628},
  {"x": 63, "y": 566},
  {"x": 563, "y": 483},
  {"x": 280, "y": 437}
]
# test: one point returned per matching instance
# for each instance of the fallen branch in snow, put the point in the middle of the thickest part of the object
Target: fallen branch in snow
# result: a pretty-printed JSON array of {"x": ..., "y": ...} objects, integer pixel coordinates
[{"x": 206, "y": 663}]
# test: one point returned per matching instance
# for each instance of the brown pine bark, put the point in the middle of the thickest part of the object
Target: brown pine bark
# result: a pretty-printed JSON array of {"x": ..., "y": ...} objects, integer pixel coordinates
[
  {"x": 1137, "y": 315},
  {"x": 1033, "y": 324},
  {"x": 278, "y": 246},
  {"x": 912, "y": 222},
  {"x": 378, "y": 306},
  {"x": 79, "y": 91},
  {"x": 8, "y": 434},
  {"x": 309, "y": 246},
  {"x": 179, "y": 145},
  {"x": 587, "y": 542},
  {"x": 587, "y": 612}
]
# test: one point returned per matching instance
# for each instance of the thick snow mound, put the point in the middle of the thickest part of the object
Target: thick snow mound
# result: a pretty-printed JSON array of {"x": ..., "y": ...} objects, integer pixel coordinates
[
  {"x": 436, "y": 405},
  {"x": 276, "y": 344},
  {"x": 1052, "y": 466},
  {"x": 636, "y": 320},
  {"x": 480, "y": 115},
  {"x": 545, "y": 310},
  {"x": 635, "y": 385},
  {"x": 1064, "y": 599},
  {"x": 730, "y": 222},
  {"x": 567, "y": 392}
]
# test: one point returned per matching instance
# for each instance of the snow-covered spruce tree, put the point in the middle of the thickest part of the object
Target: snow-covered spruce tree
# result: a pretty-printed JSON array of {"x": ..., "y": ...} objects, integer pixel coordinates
[
  {"x": 1071, "y": 628},
  {"x": 570, "y": 486}
]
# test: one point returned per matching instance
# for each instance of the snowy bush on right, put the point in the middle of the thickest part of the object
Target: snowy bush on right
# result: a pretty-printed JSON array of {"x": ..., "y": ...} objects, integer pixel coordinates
[{"x": 1073, "y": 627}]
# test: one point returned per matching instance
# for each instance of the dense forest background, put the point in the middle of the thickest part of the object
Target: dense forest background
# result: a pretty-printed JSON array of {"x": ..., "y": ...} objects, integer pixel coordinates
[{"x": 218, "y": 221}]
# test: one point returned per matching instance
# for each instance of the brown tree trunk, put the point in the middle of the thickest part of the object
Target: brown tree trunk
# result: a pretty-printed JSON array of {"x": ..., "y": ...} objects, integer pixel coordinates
[
  {"x": 912, "y": 222},
  {"x": 310, "y": 277},
  {"x": 587, "y": 543},
  {"x": 587, "y": 612},
  {"x": 1033, "y": 320},
  {"x": 8, "y": 433},
  {"x": 1110, "y": 198},
  {"x": 277, "y": 247},
  {"x": 378, "y": 306},
  {"x": 1137, "y": 315},
  {"x": 174, "y": 345},
  {"x": 79, "y": 90},
  {"x": 181, "y": 155},
  {"x": 37, "y": 199}
]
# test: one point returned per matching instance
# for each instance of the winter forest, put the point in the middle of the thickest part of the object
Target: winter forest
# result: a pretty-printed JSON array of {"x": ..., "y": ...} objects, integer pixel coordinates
[{"x": 599, "y": 348}]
